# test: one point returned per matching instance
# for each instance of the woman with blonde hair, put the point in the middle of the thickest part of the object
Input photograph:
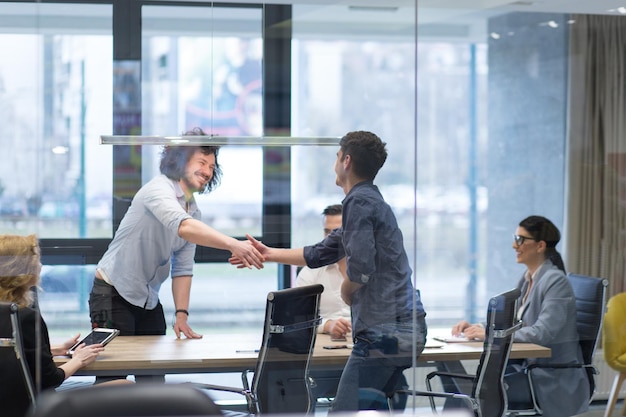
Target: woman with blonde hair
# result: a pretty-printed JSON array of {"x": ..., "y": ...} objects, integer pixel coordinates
[{"x": 20, "y": 267}]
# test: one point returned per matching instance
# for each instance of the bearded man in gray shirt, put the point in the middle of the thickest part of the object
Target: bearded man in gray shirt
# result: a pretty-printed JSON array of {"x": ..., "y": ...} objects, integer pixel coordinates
[{"x": 157, "y": 239}]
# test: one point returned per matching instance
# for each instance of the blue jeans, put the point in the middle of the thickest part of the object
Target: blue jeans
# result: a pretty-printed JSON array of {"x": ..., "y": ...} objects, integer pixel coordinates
[{"x": 375, "y": 367}]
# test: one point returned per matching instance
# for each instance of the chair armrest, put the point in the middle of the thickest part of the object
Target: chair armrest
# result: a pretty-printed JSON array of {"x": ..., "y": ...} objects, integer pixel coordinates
[
  {"x": 431, "y": 393},
  {"x": 235, "y": 390},
  {"x": 471, "y": 402},
  {"x": 244, "y": 378},
  {"x": 245, "y": 391},
  {"x": 449, "y": 374},
  {"x": 250, "y": 401}
]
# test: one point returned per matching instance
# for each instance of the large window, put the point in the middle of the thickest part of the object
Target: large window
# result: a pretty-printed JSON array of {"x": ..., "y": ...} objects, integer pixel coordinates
[
  {"x": 55, "y": 179},
  {"x": 55, "y": 93}
]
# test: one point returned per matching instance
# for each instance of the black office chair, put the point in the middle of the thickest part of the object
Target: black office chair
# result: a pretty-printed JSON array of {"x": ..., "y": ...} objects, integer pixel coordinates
[
  {"x": 488, "y": 395},
  {"x": 280, "y": 381},
  {"x": 590, "y": 293},
  {"x": 12, "y": 359},
  {"x": 133, "y": 400}
]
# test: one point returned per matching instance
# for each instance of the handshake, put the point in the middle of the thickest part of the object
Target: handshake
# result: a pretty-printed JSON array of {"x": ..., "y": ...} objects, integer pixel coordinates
[
  {"x": 248, "y": 253},
  {"x": 252, "y": 252}
]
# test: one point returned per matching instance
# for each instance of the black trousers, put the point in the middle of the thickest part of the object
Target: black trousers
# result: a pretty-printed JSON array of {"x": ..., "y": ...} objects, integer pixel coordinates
[{"x": 107, "y": 308}]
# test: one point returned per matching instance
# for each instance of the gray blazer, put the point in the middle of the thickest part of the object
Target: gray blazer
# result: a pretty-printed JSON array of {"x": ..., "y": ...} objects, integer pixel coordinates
[{"x": 549, "y": 319}]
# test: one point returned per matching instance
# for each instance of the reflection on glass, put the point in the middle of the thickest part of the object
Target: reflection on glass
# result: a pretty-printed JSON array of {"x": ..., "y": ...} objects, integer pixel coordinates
[
  {"x": 225, "y": 299},
  {"x": 218, "y": 140},
  {"x": 62, "y": 297},
  {"x": 446, "y": 187},
  {"x": 206, "y": 73}
]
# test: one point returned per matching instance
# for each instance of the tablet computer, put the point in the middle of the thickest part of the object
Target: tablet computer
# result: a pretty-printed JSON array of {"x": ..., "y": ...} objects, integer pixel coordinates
[{"x": 97, "y": 335}]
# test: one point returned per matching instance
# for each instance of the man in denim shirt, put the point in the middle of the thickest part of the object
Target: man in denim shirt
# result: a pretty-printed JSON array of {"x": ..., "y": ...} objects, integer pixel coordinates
[{"x": 388, "y": 324}]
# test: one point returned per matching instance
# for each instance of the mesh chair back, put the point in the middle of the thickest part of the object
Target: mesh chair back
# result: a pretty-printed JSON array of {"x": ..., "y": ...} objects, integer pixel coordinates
[
  {"x": 590, "y": 293},
  {"x": 281, "y": 378},
  {"x": 488, "y": 387}
]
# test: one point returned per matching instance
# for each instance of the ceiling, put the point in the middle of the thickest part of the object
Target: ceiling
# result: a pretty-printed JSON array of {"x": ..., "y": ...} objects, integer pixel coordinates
[
  {"x": 469, "y": 16},
  {"x": 552, "y": 6},
  {"x": 449, "y": 19}
]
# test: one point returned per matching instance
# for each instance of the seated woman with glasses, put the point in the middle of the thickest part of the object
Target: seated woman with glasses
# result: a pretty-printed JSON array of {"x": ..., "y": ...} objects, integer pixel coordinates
[{"x": 547, "y": 308}]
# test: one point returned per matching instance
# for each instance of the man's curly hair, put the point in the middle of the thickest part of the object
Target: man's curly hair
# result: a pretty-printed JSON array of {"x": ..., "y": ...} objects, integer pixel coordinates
[{"x": 175, "y": 158}]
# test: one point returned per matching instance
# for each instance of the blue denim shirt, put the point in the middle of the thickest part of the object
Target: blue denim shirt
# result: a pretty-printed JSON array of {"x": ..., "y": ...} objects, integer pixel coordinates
[
  {"x": 146, "y": 248},
  {"x": 373, "y": 244}
]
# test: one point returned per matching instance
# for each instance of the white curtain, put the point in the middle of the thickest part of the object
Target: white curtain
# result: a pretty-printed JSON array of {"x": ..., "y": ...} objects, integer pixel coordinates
[{"x": 596, "y": 166}]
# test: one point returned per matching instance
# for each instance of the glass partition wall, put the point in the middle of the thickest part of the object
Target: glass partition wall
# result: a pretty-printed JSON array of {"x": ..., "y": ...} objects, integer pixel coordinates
[
  {"x": 55, "y": 179},
  {"x": 472, "y": 103}
]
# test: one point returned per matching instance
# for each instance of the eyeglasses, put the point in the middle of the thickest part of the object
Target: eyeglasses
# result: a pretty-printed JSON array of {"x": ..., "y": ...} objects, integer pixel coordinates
[{"x": 519, "y": 240}]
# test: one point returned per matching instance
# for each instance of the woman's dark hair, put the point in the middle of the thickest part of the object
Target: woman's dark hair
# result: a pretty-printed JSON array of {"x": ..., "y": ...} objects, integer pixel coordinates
[
  {"x": 175, "y": 158},
  {"x": 540, "y": 229}
]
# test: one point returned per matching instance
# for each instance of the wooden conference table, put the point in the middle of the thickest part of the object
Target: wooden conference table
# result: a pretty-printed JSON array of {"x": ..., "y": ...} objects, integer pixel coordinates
[{"x": 146, "y": 355}]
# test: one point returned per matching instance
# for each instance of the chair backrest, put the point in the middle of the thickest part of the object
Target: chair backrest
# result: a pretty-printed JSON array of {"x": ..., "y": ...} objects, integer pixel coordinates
[
  {"x": 21, "y": 394},
  {"x": 281, "y": 378},
  {"x": 126, "y": 400},
  {"x": 614, "y": 332},
  {"x": 590, "y": 293},
  {"x": 488, "y": 388}
]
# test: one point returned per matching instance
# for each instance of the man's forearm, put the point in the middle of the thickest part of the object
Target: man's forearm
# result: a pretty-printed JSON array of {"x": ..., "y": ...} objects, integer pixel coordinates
[
  {"x": 181, "y": 290},
  {"x": 293, "y": 256},
  {"x": 197, "y": 232}
]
